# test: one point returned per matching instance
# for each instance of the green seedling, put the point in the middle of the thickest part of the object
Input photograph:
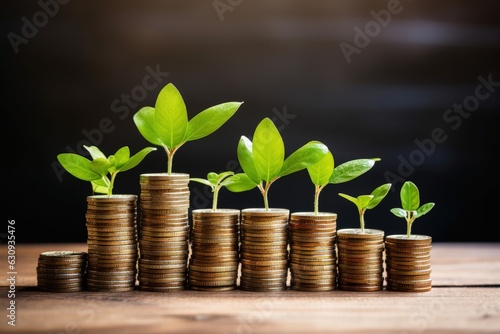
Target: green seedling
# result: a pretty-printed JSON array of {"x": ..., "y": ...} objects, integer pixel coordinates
[
  {"x": 410, "y": 201},
  {"x": 102, "y": 170},
  {"x": 324, "y": 173},
  {"x": 263, "y": 159},
  {"x": 167, "y": 124},
  {"x": 216, "y": 182},
  {"x": 365, "y": 202}
]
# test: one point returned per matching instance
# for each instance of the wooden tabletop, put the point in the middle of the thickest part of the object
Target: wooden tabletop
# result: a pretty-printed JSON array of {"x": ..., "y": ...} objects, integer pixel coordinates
[{"x": 465, "y": 298}]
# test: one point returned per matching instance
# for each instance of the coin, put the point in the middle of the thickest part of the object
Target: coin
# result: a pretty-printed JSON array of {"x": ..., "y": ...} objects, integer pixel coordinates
[
  {"x": 360, "y": 259},
  {"x": 61, "y": 271}
]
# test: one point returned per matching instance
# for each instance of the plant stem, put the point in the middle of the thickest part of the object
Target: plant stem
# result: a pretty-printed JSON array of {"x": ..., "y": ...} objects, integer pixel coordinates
[
  {"x": 266, "y": 203},
  {"x": 264, "y": 190},
  {"x": 362, "y": 220},
  {"x": 316, "y": 199},
  {"x": 169, "y": 163},
  {"x": 215, "y": 199},
  {"x": 111, "y": 184},
  {"x": 409, "y": 222}
]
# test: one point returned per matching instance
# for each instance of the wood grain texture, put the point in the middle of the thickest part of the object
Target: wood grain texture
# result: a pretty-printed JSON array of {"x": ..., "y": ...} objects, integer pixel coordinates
[{"x": 465, "y": 299}]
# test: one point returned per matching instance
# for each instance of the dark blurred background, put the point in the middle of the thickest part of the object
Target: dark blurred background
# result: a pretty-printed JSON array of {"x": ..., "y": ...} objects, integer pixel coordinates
[{"x": 367, "y": 78}]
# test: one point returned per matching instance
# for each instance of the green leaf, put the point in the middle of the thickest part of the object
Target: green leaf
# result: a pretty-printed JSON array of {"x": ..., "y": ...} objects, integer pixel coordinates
[
  {"x": 240, "y": 182},
  {"x": 364, "y": 200},
  {"x": 171, "y": 119},
  {"x": 245, "y": 159},
  {"x": 350, "y": 198},
  {"x": 94, "y": 152},
  {"x": 268, "y": 150},
  {"x": 399, "y": 212},
  {"x": 351, "y": 169},
  {"x": 211, "y": 119},
  {"x": 101, "y": 186},
  {"x": 78, "y": 166},
  {"x": 144, "y": 120},
  {"x": 306, "y": 156},
  {"x": 202, "y": 181},
  {"x": 223, "y": 176},
  {"x": 136, "y": 159},
  {"x": 410, "y": 197},
  {"x": 378, "y": 195},
  {"x": 212, "y": 178},
  {"x": 121, "y": 157},
  {"x": 229, "y": 180},
  {"x": 100, "y": 166},
  {"x": 321, "y": 171},
  {"x": 424, "y": 209}
]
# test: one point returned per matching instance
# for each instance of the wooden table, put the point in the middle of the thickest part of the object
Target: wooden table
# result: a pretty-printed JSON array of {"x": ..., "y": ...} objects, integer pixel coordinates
[{"x": 465, "y": 298}]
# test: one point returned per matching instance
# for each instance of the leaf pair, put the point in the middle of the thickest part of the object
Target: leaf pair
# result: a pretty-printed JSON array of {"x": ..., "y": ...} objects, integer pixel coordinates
[
  {"x": 216, "y": 182},
  {"x": 96, "y": 170},
  {"x": 324, "y": 172},
  {"x": 365, "y": 202},
  {"x": 167, "y": 124},
  {"x": 263, "y": 159},
  {"x": 410, "y": 202}
]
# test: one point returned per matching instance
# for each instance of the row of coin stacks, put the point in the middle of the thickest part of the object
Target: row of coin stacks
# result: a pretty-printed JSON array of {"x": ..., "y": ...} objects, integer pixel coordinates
[{"x": 254, "y": 247}]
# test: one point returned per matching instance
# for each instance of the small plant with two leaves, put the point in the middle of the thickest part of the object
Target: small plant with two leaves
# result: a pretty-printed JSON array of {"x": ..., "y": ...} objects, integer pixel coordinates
[
  {"x": 324, "y": 173},
  {"x": 365, "y": 202},
  {"x": 411, "y": 208},
  {"x": 167, "y": 124},
  {"x": 263, "y": 159},
  {"x": 216, "y": 182},
  {"x": 101, "y": 171}
]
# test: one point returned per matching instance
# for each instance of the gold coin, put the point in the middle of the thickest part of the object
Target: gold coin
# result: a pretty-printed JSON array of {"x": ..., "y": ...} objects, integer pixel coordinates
[
  {"x": 408, "y": 272},
  {"x": 352, "y": 233},
  {"x": 63, "y": 255}
]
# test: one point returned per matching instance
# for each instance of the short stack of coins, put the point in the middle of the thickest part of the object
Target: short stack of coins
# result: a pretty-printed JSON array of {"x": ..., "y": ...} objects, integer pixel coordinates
[
  {"x": 313, "y": 260},
  {"x": 214, "y": 261},
  {"x": 360, "y": 259},
  {"x": 61, "y": 271},
  {"x": 112, "y": 242},
  {"x": 163, "y": 232},
  {"x": 408, "y": 263},
  {"x": 264, "y": 249}
]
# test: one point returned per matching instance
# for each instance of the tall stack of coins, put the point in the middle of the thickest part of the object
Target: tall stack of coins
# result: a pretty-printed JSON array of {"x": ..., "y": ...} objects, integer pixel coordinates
[
  {"x": 214, "y": 253},
  {"x": 163, "y": 232},
  {"x": 112, "y": 242},
  {"x": 313, "y": 260},
  {"x": 264, "y": 249},
  {"x": 408, "y": 263},
  {"x": 360, "y": 259},
  {"x": 61, "y": 271}
]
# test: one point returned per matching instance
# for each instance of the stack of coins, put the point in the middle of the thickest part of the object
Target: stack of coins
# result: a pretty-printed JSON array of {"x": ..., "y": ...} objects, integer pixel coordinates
[
  {"x": 313, "y": 260},
  {"x": 163, "y": 232},
  {"x": 61, "y": 271},
  {"x": 264, "y": 249},
  {"x": 408, "y": 263},
  {"x": 112, "y": 242},
  {"x": 360, "y": 259},
  {"x": 214, "y": 261}
]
